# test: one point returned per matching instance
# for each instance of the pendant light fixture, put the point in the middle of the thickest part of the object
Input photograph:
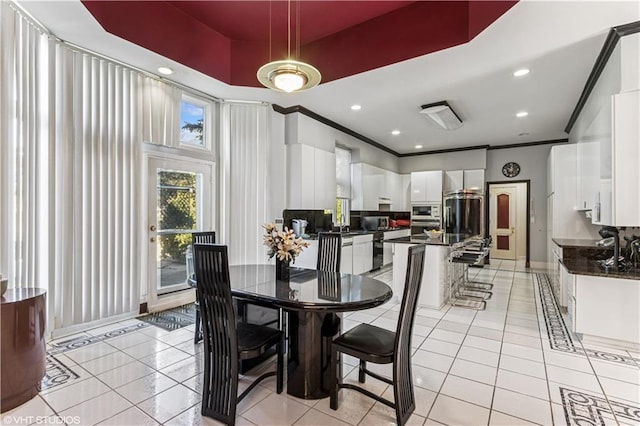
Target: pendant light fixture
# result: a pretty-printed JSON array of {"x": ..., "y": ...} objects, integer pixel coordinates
[{"x": 288, "y": 75}]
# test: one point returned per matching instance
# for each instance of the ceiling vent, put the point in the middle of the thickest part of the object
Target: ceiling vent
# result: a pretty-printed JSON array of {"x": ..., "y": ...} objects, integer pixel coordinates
[{"x": 441, "y": 114}]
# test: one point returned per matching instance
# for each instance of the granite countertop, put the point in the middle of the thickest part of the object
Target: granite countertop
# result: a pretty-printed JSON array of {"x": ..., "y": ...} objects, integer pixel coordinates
[
  {"x": 584, "y": 266},
  {"x": 443, "y": 240},
  {"x": 349, "y": 234},
  {"x": 576, "y": 243}
]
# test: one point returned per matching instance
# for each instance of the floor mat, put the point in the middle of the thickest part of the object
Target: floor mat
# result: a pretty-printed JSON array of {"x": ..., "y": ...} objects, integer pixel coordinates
[{"x": 172, "y": 319}]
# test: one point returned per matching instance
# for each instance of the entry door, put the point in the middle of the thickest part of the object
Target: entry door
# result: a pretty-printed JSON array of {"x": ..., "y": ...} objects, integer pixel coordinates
[
  {"x": 180, "y": 202},
  {"x": 502, "y": 225}
]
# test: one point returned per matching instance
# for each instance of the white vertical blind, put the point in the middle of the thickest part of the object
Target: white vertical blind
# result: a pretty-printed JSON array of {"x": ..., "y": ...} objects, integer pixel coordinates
[
  {"x": 245, "y": 159},
  {"x": 97, "y": 203},
  {"x": 24, "y": 126},
  {"x": 70, "y": 165},
  {"x": 160, "y": 119}
]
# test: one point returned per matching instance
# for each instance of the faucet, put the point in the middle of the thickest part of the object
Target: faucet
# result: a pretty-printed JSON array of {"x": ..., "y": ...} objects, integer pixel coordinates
[{"x": 608, "y": 232}]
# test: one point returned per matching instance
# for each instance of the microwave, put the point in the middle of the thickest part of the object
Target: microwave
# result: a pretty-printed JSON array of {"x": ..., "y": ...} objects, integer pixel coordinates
[{"x": 426, "y": 211}]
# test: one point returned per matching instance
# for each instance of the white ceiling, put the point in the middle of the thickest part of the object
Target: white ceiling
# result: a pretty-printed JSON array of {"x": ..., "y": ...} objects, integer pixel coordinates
[{"x": 557, "y": 40}]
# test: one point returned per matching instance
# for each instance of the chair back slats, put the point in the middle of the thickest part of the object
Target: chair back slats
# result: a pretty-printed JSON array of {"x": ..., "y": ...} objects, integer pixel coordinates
[
  {"x": 220, "y": 386},
  {"x": 208, "y": 237},
  {"x": 329, "y": 251},
  {"x": 403, "y": 384}
]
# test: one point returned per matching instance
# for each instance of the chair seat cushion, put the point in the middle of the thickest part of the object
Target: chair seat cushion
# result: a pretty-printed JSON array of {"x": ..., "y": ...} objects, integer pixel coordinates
[
  {"x": 368, "y": 339},
  {"x": 255, "y": 339}
]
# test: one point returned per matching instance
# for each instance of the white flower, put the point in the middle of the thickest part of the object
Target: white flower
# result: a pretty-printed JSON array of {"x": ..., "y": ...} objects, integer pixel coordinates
[{"x": 282, "y": 244}]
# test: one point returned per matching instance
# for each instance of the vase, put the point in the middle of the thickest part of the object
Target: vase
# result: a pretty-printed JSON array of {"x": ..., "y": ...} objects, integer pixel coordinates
[{"x": 282, "y": 270}]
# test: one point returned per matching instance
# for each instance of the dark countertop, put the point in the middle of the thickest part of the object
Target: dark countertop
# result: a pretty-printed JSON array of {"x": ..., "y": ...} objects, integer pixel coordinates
[
  {"x": 443, "y": 240},
  {"x": 355, "y": 233},
  {"x": 576, "y": 243},
  {"x": 584, "y": 266}
]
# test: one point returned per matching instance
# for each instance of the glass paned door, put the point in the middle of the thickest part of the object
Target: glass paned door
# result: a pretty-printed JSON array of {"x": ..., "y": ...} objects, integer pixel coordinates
[{"x": 180, "y": 203}]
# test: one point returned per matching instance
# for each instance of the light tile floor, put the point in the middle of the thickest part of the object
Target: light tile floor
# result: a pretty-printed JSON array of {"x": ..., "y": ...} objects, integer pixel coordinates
[{"x": 492, "y": 367}]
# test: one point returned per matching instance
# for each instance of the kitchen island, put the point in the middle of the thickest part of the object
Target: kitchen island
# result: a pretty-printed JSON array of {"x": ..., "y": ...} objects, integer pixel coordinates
[{"x": 434, "y": 292}]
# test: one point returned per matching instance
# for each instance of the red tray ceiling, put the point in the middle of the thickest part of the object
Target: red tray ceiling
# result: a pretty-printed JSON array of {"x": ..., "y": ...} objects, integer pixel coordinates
[{"x": 230, "y": 40}]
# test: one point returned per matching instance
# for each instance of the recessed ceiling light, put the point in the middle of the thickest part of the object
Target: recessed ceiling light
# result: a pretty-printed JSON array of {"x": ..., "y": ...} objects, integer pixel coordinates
[
  {"x": 395, "y": 132},
  {"x": 165, "y": 70},
  {"x": 356, "y": 107},
  {"x": 520, "y": 73},
  {"x": 418, "y": 146},
  {"x": 522, "y": 114}
]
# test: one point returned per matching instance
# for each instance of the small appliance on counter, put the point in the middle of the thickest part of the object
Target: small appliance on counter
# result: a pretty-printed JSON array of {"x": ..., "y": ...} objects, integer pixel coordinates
[
  {"x": 299, "y": 226},
  {"x": 615, "y": 262}
]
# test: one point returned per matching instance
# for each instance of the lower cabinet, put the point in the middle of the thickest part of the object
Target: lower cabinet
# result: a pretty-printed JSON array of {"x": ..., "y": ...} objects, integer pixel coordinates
[
  {"x": 387, "y": 253},
  {"x": 362, "y": 253},
  {"x": 606, "y": 308},
  {"x": 346, "y": 257},
  {"x": 309, "y": 257}
]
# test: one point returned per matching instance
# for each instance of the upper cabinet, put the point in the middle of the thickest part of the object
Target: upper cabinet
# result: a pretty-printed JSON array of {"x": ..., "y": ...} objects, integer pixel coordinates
[
  {"x": 607, "y": 134},
  {"x": 426, "y": 187},
  {"x": 625, "y": 153},
  {"x": 312, "y": 178},
  {"x": 373, "y": 187},
  {"x": 455, "y": 180}
]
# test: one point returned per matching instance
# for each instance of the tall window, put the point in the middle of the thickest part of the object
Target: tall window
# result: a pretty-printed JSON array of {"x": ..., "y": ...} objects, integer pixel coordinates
[{"x": 343, "y": 183}]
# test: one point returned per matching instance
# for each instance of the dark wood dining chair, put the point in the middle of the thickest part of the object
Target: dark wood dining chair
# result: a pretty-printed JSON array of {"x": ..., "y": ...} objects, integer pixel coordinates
[
  {"x": 329, "y": 251},
  {"x": 208, "y": 237},
  {"x": 226, "y": 341},
  {"x": 369, "y": 343}
]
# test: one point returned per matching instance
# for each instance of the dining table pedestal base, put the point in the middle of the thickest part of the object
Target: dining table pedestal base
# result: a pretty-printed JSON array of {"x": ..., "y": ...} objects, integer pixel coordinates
[{"x": 310, "y": 335}]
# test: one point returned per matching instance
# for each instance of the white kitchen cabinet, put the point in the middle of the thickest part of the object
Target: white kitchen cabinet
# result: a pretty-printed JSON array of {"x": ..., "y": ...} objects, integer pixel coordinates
[
  {"x": 362, "y": 253},
  {"x": 427, "y": 186},
  {"x": 387, "y": 248},
  {"x": 372, "y": 186},
  {"x": 346, "y": 257},
  {"x": 474, "y": 179},
  {"x": 620, "y": 196},
  {"x": 309, "y": 256},
  {"x": 453, "y": 180},
  {"x": 312, "y": 178},
  {"x": 434, "y": 290},
  {"x": 405, "y": 190},
  {"x": 588, "y": 174},
  {"x": 565, "y": 281},
  {"x": 603, "y": 308}
]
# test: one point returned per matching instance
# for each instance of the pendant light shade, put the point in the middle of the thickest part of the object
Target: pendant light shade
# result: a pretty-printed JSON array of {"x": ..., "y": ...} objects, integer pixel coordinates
[{"x": 288, "y": 76}]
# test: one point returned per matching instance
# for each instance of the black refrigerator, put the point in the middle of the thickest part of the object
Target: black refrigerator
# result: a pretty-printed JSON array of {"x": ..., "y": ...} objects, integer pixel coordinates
[{"x": 464, "y": 212}]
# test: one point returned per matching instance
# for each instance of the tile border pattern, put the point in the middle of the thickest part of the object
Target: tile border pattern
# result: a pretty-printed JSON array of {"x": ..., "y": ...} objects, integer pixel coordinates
[
  {"x": 583, "y": 409},
  {"x": 56, "y": 374},
  {"x": 80, "y": 342},
  {"x": 559, "y": 337}
]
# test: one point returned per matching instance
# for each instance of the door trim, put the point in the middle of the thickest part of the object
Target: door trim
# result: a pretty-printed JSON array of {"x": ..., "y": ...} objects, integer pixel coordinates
[{"x": 528, "y": 219}]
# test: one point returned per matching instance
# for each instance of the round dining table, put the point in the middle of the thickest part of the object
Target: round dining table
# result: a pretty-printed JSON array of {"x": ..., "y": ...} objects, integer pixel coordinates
[{"x": 314, "y": 301}]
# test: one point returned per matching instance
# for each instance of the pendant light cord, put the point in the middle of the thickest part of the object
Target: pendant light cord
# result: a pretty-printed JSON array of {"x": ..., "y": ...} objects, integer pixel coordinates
[{"x": 289, "y": 29}]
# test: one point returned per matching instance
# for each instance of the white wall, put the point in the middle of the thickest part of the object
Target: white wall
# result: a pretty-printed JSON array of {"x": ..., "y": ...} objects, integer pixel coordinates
[
  {"x": 533, "y": 166},
  {"x": 459, "y": 160}
]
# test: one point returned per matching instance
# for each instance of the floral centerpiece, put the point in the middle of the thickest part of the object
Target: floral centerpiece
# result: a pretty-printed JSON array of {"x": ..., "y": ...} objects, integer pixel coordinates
[{"x": 283, "y": 245}]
